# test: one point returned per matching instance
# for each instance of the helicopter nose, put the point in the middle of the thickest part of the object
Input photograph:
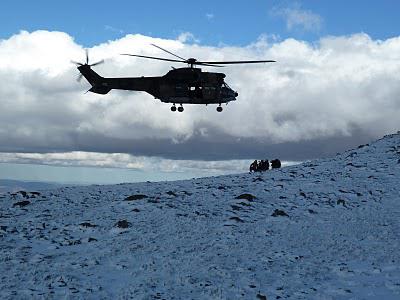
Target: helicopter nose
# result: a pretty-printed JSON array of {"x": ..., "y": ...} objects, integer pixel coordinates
[{"x": 236, "y": 94}]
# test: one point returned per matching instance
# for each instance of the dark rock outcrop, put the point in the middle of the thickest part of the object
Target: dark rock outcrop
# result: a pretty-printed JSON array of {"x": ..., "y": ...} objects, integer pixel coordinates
[
  {"x": 21, "y": 203},
  {"x": 123, "y": 224},
  {"x": 135, "y": 197},
  {"x": 248, "y": 197},
  {"x": 171, "y": 193},
  {"x": 87, "y": 225},
  {"x": 279, "y": 213}
]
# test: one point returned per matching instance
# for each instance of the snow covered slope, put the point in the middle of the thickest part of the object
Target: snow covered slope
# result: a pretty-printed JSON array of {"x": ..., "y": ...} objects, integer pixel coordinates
[{"x": 326, "y": 229}]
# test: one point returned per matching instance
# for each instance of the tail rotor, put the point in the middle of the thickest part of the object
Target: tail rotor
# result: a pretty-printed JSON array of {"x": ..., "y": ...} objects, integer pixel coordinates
[{"x": 86, "y": 64}]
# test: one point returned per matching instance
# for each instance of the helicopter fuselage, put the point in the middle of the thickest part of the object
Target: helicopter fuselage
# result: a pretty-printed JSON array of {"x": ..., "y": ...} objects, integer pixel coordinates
[{"x": 179, "y": 86}]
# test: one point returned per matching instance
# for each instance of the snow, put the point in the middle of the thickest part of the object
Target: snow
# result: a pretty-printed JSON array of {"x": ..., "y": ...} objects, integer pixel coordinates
[{"x": 205, "y": 238}]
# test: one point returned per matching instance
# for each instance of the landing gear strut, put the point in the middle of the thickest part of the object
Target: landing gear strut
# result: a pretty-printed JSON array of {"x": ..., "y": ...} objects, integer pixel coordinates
[
  {"x": 219, "y": 108},
  {"x": 180, "y": 108}
]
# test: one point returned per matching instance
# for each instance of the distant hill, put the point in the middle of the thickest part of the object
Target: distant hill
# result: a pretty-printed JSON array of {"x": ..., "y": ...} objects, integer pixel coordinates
[
  {"x": 7, "y": 185},
  {"x": 325, "y": 229}
]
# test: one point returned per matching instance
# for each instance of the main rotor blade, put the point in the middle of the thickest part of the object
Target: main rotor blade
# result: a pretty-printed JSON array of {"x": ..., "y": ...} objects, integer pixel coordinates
[
  {"x": 208, "y": 65},
  {"x": 168, "y": 52},
  {"x": 158, "y": 58},
  {"x": 97, "y": 63},
  {"x": 236, "y": 62}
]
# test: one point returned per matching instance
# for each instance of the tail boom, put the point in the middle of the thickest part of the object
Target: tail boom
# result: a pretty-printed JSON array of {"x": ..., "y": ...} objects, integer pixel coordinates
[{"x": 101, "y": 85}]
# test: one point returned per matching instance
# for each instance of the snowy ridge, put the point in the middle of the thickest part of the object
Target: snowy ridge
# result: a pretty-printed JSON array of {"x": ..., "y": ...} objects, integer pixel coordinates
[
  {"x": 326, "y": 229},
  {"x": 7, "y": 185}
]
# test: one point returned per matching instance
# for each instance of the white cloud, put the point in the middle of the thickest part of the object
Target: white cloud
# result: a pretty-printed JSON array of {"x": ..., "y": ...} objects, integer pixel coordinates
[
  {"x": 298, "y": 18},
  {"x": 209, "y": 16},
  {"x": 186, "y": 37},
  {"x": 313, "y": 99}
]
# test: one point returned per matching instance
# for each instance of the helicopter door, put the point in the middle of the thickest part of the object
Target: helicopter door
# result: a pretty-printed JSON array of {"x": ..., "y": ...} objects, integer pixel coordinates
[{"x": 209, "y": 92}]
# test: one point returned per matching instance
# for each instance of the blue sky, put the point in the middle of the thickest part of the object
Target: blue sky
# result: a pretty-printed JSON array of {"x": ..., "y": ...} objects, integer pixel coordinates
[
  {"x": 42, "y": 139},
  {"x": 212, "y": 22}
]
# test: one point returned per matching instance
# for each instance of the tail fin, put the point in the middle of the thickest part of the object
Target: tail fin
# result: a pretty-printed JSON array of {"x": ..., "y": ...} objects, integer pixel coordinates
[{"x": 99, "y": 84}]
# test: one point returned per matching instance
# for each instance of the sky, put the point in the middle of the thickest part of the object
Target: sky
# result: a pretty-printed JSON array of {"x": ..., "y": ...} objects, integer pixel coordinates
[
  {"x": 335, "y": 85},
  {"x": 211, "y": 22}
]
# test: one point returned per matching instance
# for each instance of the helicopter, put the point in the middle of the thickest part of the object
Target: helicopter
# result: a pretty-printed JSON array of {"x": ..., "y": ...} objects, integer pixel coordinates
[{"x": 187, "y": 85}]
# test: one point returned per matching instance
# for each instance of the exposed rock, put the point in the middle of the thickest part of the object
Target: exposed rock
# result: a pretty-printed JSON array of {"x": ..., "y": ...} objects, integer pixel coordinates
[
  {"x": 123, "y": 224},
  {"x": 353, "y": 165},
  {"x": 279, "y": 213},
  {"x": 258, "y": 179},
  {"x": 24, "y": 194},
  {"x": 237, "y": 219},
  {"x": 136, "y": 197},
  {"x": 248, "y": 197},
  {"x": 352, "y": 154},
  {"x": 344, "y": 192},
  {"x": 252, "y": 286},
  {"x": 261, "y": 296},
  {"x": 236, "y": 207},
  {"x": 153, "y": 200},
  {"x": 341, "y": 201},
  {"x": 73, "y": 242},
  {"x": 171, "y": 193},
  {"x": 87, "y": 225},
  {"x": 21, "y": 203}
]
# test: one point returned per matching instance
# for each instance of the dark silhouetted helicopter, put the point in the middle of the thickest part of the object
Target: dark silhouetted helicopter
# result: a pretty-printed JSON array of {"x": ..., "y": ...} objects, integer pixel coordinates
[{"x": 188, "y": 85}]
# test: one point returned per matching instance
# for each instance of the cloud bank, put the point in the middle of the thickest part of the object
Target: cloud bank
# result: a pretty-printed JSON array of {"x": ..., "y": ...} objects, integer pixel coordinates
[{"x": 318, "y": 99}]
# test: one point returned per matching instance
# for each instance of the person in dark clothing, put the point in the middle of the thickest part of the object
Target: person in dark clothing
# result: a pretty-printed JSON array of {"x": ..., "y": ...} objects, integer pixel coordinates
[
  {"x": 261, "y": 165},
  {"x": 264, "y": 166},
  {"x": 275, "y": 163},
  {"x": 254, "y": 166}
]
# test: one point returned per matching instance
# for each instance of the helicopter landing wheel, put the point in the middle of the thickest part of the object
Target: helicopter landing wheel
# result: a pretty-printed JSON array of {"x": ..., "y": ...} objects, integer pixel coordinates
[
  {"x": 219, "y": 109},
  {"x": 173, "y": 108},
  {"x": 180, "y": 108}
]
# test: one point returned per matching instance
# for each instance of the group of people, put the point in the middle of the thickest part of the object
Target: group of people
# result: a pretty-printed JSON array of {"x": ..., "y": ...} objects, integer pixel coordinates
[{"x": 263, "y": 165}]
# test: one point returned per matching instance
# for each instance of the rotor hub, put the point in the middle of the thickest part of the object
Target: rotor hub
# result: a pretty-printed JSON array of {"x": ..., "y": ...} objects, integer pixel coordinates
[{"x": 191, "y": 61}]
